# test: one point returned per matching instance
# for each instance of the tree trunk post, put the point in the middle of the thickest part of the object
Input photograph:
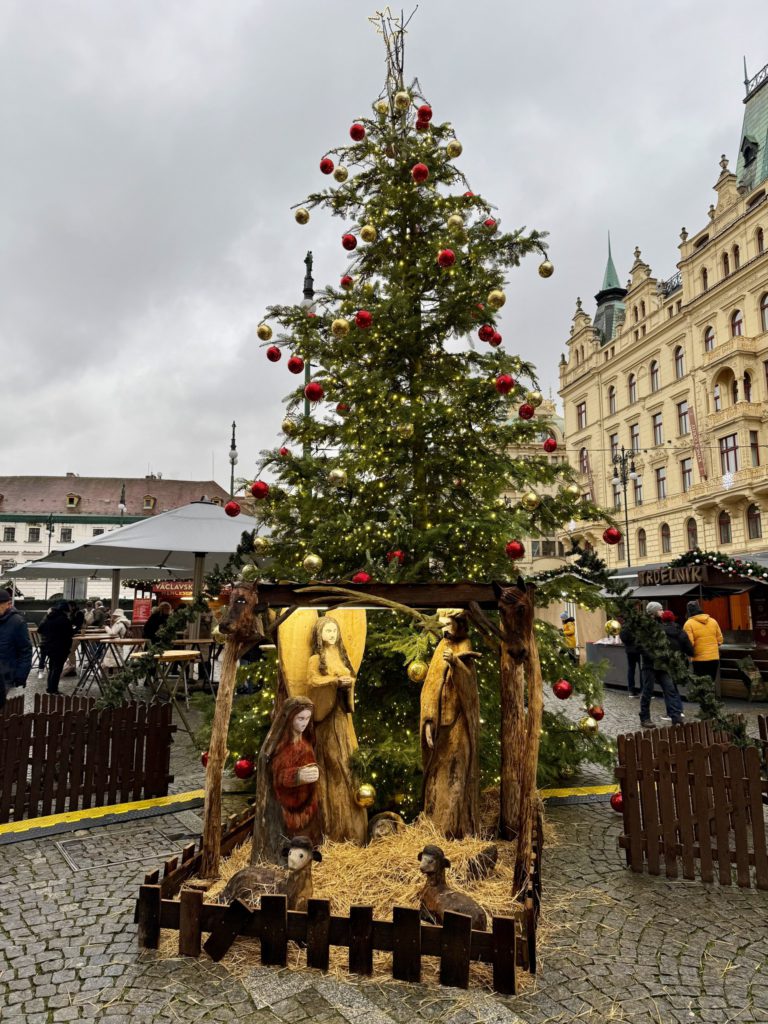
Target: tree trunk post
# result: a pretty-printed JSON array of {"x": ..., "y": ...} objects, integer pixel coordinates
[{"x": 529, "y": 762}]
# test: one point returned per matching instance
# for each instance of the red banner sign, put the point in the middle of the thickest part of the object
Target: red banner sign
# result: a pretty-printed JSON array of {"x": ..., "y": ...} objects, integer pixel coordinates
[
  {"x": 142, "y": 609},
  {"x": 696, "y": 438}
]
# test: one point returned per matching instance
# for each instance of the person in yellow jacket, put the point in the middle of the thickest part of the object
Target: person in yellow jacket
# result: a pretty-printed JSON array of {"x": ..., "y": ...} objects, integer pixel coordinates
[
  {"x": 569, "y": 635},
  {"x": 706, "y": 637}
]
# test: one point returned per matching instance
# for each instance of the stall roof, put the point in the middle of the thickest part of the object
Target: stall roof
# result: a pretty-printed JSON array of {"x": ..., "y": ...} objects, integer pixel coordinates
[{"x": 664, "y": 590}]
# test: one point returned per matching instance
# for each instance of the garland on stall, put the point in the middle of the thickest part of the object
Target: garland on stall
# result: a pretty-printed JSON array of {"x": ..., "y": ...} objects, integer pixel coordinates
[{"x": 718, "y": 560}]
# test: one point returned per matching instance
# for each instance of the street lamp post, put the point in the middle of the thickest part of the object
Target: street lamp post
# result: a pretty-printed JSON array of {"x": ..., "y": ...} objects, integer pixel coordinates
[
  {"x": 50, "y": 528},
  {"x": 624, "y": 471},
  {"x": 232, "y": 461}
]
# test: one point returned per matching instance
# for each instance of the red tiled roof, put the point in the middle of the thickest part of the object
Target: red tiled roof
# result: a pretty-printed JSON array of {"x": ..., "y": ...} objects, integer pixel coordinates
[{"x": 100, "y": 495}]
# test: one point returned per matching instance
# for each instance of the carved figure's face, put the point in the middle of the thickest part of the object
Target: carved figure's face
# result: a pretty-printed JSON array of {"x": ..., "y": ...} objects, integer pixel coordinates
[
  {"x": 427, "y": 864},
  {"x": 298, "y": 858},
  {"x": 384, "y": 827},
  {"x": 302, "y": 720},
  {"x": 330, "y": 632}
]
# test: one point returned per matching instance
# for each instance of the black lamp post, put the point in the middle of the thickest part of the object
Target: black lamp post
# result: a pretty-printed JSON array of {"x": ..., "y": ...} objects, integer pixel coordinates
[
  {"x": 50, "y": 528},
  {"x": 624, "y": 471}
]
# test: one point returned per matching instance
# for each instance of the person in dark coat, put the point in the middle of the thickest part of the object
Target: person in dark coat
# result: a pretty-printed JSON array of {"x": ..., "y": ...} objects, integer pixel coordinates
[
  {"x": 678, "y": 641},
  {"x": 56, "y": 629},
  {"x": 632, "y": 652},
  {"x": 15, "y": 647},
  {"x": 156, "y": 621}
]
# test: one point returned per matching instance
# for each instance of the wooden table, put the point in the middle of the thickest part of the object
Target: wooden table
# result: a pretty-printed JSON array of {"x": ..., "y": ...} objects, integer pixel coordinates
[
  {"x": 209, "y": 652},
  {"x": 160, "y": 678},
  {"x": 92, "y": 650}
]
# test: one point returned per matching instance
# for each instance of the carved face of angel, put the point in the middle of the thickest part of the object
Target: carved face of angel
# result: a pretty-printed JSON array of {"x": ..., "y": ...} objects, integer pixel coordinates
[
  {"x": 301, "y": 721},
  {"x": 330, "y": 633}
]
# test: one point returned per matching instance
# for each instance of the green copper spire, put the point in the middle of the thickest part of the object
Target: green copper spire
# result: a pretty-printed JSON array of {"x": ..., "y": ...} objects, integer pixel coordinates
[
  {"x": 610, "y": 302},
  {"x": 610, "y": 277}
]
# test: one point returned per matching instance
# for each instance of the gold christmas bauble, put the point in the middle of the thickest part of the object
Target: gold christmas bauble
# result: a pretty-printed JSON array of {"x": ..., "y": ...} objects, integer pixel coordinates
[
  {"x": 566, "y": 771},
  {"x": 402, "y": 100},
  {"x": 530, "y": 501},
  {"x": 313, "y": 563},
  {"x": 289, "y": 425},
  {"x": 587, "y": 724},
  {"x": 613, "y": 627},
  {"x": 260, "y": 545},
  {"x": 302, "y": 215},
  {"x": 249, "y": 572},
  {"x": 454, "y": 148},
  {"x": 341, "y": 173},
  {"x": 496, "y": 298},
  {"x": 337, "y": 478},
  {"x": 365, "y": 795},
  {"x": 340, "y": 328},
  {"x": 381, "y": 106},
  {"x": 455, "y": 222},
  {"x": 417, "y": 671},
  {"x": 534, "y": 398},
  {"x": 572, "y": 491},
  {"x": 546, "y": 269},
  {"x": 368, "y": 233},
  {"x": 264, "y": 331}
]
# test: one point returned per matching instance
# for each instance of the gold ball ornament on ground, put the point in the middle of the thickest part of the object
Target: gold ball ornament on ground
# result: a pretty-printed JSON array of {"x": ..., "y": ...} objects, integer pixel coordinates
[
  {"x": 546, "y": 268},
  {"x": 417, "y": 671},
  {"x": 454, "y": 149},
  {"x": 402, "y": 100},
  {"x": 340, "y": 328},
  {"x": 365, "y": 795},
  {"x": 613, "y": 627},
  {"x": 301, "y": 216},
  {"x": 572, "y": 491},
  {"x": 368, "y": 233},
  {"x": 341, "y": 174},
  {"x": 260, "y": 545},
  {"x": 313, "y": 563},
  {"x": 588, "y": 724},
  {"x": 381, "y": 106},
  {"x": 534, "y": 398},
  {"x": 288, "y": 425},
  {"x": 264, "y": 332},
  {"x": 530, "y": 501},
  {"x": 455, "y": 222},
  {"x": 496, "y": 298},
  {"x": 337, "y": 478}
]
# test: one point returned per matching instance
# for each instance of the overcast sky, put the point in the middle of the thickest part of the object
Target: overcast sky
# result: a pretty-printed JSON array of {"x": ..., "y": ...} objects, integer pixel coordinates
[{"x": 151, "y": 150}]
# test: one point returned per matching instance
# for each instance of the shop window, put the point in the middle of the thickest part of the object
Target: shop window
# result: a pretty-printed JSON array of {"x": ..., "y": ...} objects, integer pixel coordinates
[
  {"x": 709, "y": 339},
  {"x": 632, "y": 388},
  {"x": 655, "y": 381},
  {"x": 754, "y": 523},
  {"x": 666, "y": 539},
  {"x": 642, "y": 544},
  {"x": 724, "y": 527},
  {"x": 737, "y": 323},
  {"x": 679, "y": 362},
  {"x": 692, "y": 534}
]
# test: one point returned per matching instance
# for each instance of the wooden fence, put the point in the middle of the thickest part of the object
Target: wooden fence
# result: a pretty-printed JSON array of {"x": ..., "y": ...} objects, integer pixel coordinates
[
  {"x": 511, "y": 942},
  {"x": 689, "y": 795},
  {"x": 68, "y": 754}
]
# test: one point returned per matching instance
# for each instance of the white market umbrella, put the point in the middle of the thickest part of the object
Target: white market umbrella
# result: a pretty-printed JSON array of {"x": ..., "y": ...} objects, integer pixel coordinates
[{"x": 45, "y": 569}]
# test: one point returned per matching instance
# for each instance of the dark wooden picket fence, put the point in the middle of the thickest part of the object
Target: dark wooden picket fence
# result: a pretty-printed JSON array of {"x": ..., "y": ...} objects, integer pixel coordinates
[
  {"x": 67, "y": 754},
  {"x": 691, "y": 796},
  {"x": 509, "y": 945}
]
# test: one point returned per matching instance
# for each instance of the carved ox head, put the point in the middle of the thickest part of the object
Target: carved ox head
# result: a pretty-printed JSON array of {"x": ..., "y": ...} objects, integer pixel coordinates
[{"x": 243, "y": 619}]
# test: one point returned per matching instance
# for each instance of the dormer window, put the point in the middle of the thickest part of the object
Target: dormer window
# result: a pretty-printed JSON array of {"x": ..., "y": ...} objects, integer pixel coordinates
[
  {"x": 217, "y": 501},
  {"x": 749, "y": 150},
  {"x": 73, "y": 500},
  {"x": 149, "y": 503}
]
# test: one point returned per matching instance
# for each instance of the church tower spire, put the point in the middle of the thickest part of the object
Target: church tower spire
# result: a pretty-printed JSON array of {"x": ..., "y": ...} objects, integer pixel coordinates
[{"x": 610, "y": 301}]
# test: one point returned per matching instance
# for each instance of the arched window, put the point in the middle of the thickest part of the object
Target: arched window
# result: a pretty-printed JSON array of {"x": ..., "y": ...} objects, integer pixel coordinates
[
  {"x": 704, "y": 279},
  {"x": 724, "y": 527},
  {"x": 642, "y": 307},
  {"x": 737, "y": 323},
  {"x": 764, "y": 311},
  {"x": 578, "y": 358},
  {"x": 632, "y": 387},
  {"x": 736, "y": 257},
  {"x": 692, "y": 534},
  {"x": 726, "y": 265},
  {"x": 654, "y": 375},
  {"x": 679, "y": 362},
  {"x": 666, "y": 538},
  {"x": 582, "y": 353},
  {"x": 754, "y": 524},
  {"x": 747, "y": 387},
  {"x": 760, "y": 241},
  {"x": 716, "y": 396},
  {"x": 583, "y": 461},
  {"x": 642, "y": 547},
  {"x": 634, "y": 313},
  {"x": 611, "y": 400},
  {"x": 709, "y": 339}
]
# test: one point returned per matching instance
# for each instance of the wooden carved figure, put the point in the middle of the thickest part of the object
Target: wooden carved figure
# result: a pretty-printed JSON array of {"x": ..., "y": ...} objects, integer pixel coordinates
[
  {"x": 450, "y": 731},
  {"x": 251, "y": 883},
  {"x": 286, "y": 782},
  {"x": 435, "y": 898},
  {"x": 383, "y": 825}
]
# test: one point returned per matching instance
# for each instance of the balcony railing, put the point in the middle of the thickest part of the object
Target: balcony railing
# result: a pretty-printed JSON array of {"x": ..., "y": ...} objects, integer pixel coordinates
[
  {"x": 741, "y": 478},
  {"x": 739, "y": 410},
  {"x": 672, "y": 284},
  {"x": 733, "y": 347}
]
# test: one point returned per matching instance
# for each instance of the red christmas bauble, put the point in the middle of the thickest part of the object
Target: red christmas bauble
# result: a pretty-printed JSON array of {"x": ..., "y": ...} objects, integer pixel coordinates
[
  {"x": 346, "y": 281},
  {"x": 311, "y": 316},
  {"x": 244, "y": 768},
  {"x": 446, "y": 257},
  {"x": 526, "y": 411},
  {"x": 397, "y": 554},
  {"x": 259, "y": 489},
  {"x": 204, "y": 759},
  {"x": 357, "y": 132},
  {"x": 295, "y": 364},
  {"x": 232, "y": 509},
  {"x": 550, "y": 445},
  {"x": 504, "y": 383},
  {"x": 515, "y": 549},
  {"x": 361, "y": 577},
  {"x": 422, "y": 126},
  {"x": 284, "y": 453},
  {"x": 424, "y": 113},
  {"x": 596, "y": 712},
  {"x": 274, "y": 355},
  {"x": 314, "y": 391},
  {"x": 490, "y": 223},
  {"x": 468, "y": 195},
  {"x": 326, "y": 165},
  {"x": 562, "y": 689},
  {"x": 363, "y": 319},
  {"x": 611, "y": 535},
  {"x": 495, "y": 340},
  {"x": 617, "y": 802},
  {"x": 486, "y": 332},
  {"x": 419, "y": 173},
  {"x": 342, "y": 409},
  {"x": 349, "y": 242}
]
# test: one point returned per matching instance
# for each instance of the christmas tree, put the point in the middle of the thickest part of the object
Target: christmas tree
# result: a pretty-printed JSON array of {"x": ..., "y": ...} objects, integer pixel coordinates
[{"x": 396, "y": 446}]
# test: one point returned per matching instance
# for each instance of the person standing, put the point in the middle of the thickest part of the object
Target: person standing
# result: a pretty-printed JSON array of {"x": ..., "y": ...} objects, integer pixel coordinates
[
  {"x": 706, "y": 638},
  {"x": 56, "y": 630},
  {"x": 118, "y": 630},
  {"x": 633, "y": 660},
  {"x": 77, "y": 615},
  {"x": 156, "y": 621},
  {"x": 15, "y": 646},
  {"x": 569, "y": 635},
  {"x": 678, "y": 641},
  {"x": 99, "y": 614}
]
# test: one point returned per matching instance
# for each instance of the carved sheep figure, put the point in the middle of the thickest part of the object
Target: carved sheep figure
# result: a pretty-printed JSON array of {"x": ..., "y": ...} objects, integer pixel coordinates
[
  {"x": 295, "y": 881},
  {"x": 436, "y": 897}
]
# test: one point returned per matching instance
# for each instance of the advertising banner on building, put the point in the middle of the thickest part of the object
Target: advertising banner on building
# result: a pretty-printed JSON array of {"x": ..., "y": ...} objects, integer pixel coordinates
[
  {"x": 173, "y": 591},
  {"x": 696, "y": 438}
]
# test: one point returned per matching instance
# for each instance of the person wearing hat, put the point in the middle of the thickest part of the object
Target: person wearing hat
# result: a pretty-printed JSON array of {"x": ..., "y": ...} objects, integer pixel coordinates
[
  {"x": 652, "y": 676},
  {"x": 569, "y": 635},
  {"x": 706, "y": 638},
  {"x": 99, "y": 617},
  {"x": 15, "y": 646},
  {"x": 56, "y": 630},
  {"x": 117, "y": 630}
]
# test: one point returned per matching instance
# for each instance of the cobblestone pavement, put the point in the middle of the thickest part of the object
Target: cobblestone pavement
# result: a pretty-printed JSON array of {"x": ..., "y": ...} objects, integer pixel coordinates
[{"x": 615, "y": 946}]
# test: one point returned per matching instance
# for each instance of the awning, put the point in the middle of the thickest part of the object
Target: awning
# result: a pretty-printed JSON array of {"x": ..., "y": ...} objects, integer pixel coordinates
[{"x": 664, "y": 590}]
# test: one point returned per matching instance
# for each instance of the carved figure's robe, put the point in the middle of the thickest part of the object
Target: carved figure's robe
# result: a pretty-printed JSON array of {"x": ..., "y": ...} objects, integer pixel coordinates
[{"x": 298, "y": 800}]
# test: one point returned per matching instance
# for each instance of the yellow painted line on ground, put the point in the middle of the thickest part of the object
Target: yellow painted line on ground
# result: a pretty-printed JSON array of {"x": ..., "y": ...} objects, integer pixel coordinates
[
  {"x": 578, "y": 791},
  {"x": 94, "y": 813}
]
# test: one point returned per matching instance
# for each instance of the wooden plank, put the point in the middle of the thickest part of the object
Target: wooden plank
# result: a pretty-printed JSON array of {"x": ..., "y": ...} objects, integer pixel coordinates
[
  {"x": 11, "y": 736},
  {"x": 148, "y": 914},
  {"x": 91, "y": 755},
  {"x": 529, "y": 919},
  {"x": 406, "y": 944},
  {"x": 667, "y": 811},
  {"x": 415, "y": 595},
  {"x": 115, "y": 748},
  {"x": 755, "y": 793},
  {"x": 53, "y": 739},
  {"x": 721, "y": 815},
  {"x": 739, "y": 803},
  {"x": 318, "y": 930},
  {"x": 702, "y": 811},
  {"x": 632, "y": 804},
  {"x": 39, "y": 729},
  {"x": 361, "y": 940},
  {"x": 127, "y": 752},
  {"x": 152, "y": 877},
  {"x": 231, "y": 924},
  {"x": 101, "y": 767},
  {"x": 76, "y": 761},
  {"x": 63, "y": 761},
  {"x": 455, "y": 946},
  {"x": 684, "y": 809},
  {"x": 274, "y": 930},
  {"x": 25, "y": 736},
  {"x": 187, "y": 852},
  {"x": 170, "y": 866},
  {"x": 649, "y": 806},
  {"x": 190, "y": 906},
  {"x": 139, "y": 747},
  {"x": 505, "y": 955}
]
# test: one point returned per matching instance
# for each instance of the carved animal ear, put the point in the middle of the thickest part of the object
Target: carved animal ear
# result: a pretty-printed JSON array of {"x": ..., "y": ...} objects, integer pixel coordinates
[
  {"x": 285, "y": 851},
  {"x": 446, "y": 862},
  {"x": 522, "y": 584},
  {"x": 498, "y": 589},
  {"x": 420, "y": 855},
  {"x": 316, "y": 855}
]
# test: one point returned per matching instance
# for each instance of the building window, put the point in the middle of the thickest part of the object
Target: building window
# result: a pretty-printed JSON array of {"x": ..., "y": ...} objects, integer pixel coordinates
[
  {"x": 581, "y": 415},
  {"x": 729, "y": 454},
  {"x": 704, "y": 279},
  {"x": 611, "y": 400},
  {"x": 217, "y": 501},
  {"x": 634, "y": 313},
  {"x": 73, "y": 500},
  {"x": 642, "y": 546},
  {"x": 654, "y": 376},
  {"x": 692, "y": 534},
  {"x": 634, "y": 431},
  {"x": 9, "y": 534},
  {"x": 726, "y": 265},
  {"x": 638, "y": 490},
  {"x": 617, "y": 494},
  {"x": 734, "y": 391},
  {"x": 724, "y": 527},
  {"x": 621, "y": 550},
  {"x": 737, "y": 323},
  {"x": 736, "y": 257},
  {"x": 686, "y": 474},
  {"x": 716, "y": 398},
  {"x": 642, "y": 308},
  {"x": 754, "y": 524},
  {"x": 583, "y": 461},
  {"x": 97, "y": 531},
  {"x": 679, "y": 362},
  {"x": 709, "y": 339},
  {"x": 754, "y": 448},
  {"x": 535, "y": 548},
  {"x": 760, "y": 241},
  {"x": 66, "y": 535},
  {"x": 658, "y": 430},
  {"x": 632, "y": 387},
  {"x": 613, "y": 441},
  {"x": 764, "y": 311},
  {"x": 661, "y": 483},
  {"x": 149, "y": 503},
  {"x": 666, "y": 539},
  {"x": 682, "y": 419},
  {"x": 33, "y": 535}
]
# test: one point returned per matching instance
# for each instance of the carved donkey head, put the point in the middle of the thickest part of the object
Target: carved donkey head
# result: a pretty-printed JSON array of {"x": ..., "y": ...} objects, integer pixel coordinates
[
  {"x": 516, "y": 612},
  {"x": 243, "y": 619}
]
